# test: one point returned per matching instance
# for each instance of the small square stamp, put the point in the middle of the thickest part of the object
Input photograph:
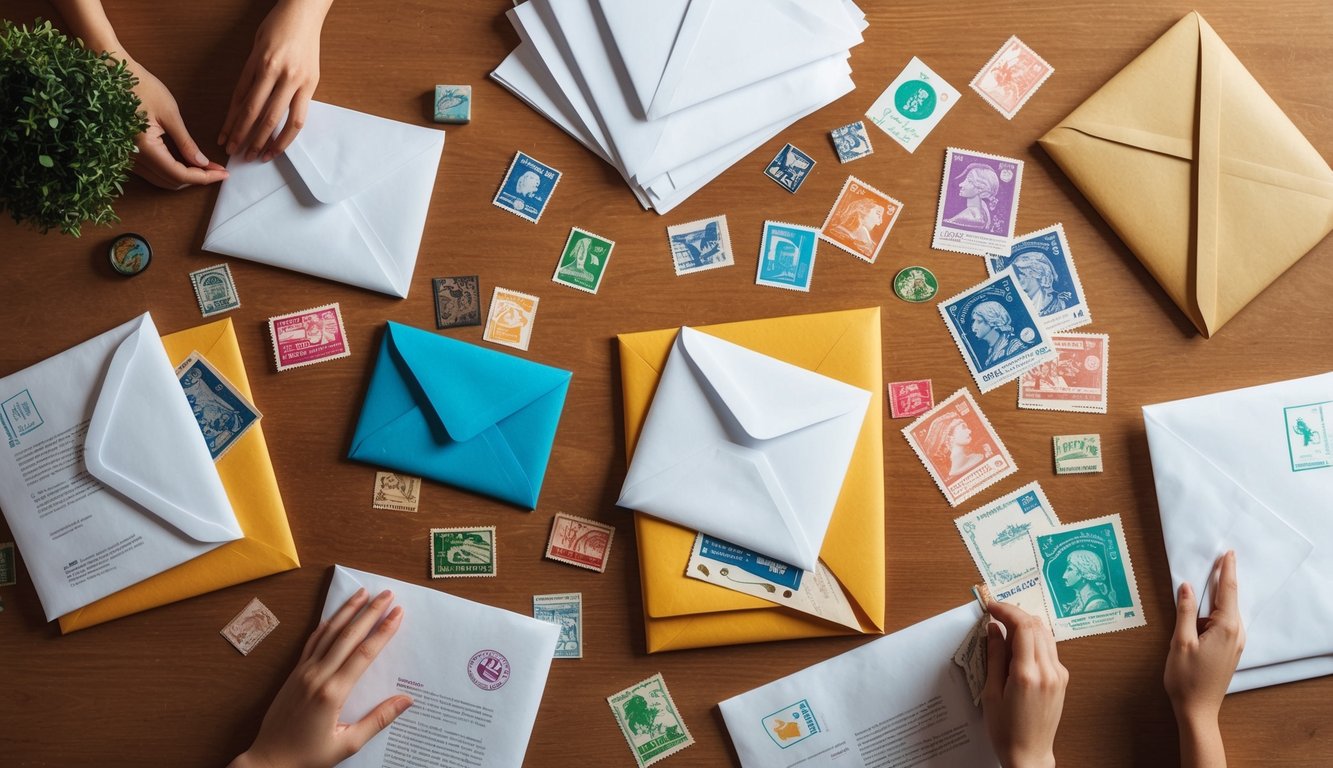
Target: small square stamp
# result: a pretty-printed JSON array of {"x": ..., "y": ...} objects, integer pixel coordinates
[
  {"x": 20, "y": 416},
  {"x": 978, "y": 203},
  {"x": 997, "y": 331},
  {"x": 1077, "y": 454},
  {"x": 851, "y": 142},
  {"x": 1045, "y": 268},
  {"x": 458, "y": 552},
  {"x": 1011, "y": 76},
  {"x": 308, "y": 337},
  {"x": 527, "y": 188},
  {"x": 649, "y": 721},
  {"x": 860, "y": 219},
  {"x": 8, "y": 565},
  {"x": 579, "y": 541},
  {"x": 792, "y": 724},
  {"x": 223, "y": 413},
  {"x": 697, "y": 246},
  {"x": 583, "y": 262},
  {"x": 787, "y": 256},
  {"x": 910, "y": 398},
  {"x": 215, "y": 290},
  {"x": 1087, "y": 579},
  {"x": 913, "y": 104},
  {"x": 510, "y": 319},
  {"x": 564, "y": 611},
  {"x": 396, "y": 491},
  {"x": 1075, "y": 381},
  {"x": 958, "y": 446},
  {"x": 1308, "y": 440},
  {"x": 790, "y": 168},
  {"x": 457, "y": 301},
  {"x": 254, "y": 623},
  {"x": 453, "y": 104},
  {"x": 996, "y": 535}
]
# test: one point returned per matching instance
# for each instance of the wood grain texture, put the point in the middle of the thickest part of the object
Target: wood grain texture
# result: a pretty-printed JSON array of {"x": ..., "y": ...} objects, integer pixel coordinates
[{"x": 163, "y": 688}]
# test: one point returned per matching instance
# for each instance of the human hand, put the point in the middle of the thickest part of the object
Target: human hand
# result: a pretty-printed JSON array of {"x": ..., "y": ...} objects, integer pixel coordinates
[
  {"x": 1204, "y": 652},
  {"x": 279, "y": 77},
  {"x": 154, "y": 161},
  {"x": 302, "y": 728},
  {"x": 1025, "y": 688}
]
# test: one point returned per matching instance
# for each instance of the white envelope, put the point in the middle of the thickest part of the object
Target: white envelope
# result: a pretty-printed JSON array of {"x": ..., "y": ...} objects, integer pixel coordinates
[
  {"x": 744, "y": 447},
  {"x": 347, "y": 201},
  {"x": 438, "y": 657},
  {"x": 1227, "y": 477},
  {"x": 105, "y": 477}
]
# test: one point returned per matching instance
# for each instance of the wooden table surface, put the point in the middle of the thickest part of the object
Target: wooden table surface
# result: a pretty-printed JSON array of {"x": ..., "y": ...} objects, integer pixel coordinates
[{"x": 162, "y": 688}]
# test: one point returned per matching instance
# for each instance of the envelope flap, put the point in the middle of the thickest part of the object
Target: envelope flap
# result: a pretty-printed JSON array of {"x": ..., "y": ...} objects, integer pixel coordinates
[
  {"x": 469, "y": 388},
  {"x": 340, "y": 151}
]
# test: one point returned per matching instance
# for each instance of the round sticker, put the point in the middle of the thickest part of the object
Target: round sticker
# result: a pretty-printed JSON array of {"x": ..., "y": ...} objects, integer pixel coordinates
[
  {"x": 915, "y": 284},
  {"x": 488, "y": 669},
  {"x": 130, "y": 254},
  {"x": 915, "y": 100}
]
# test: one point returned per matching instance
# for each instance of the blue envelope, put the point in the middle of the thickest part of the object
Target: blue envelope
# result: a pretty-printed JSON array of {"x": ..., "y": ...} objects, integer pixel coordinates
[{"x": 467, "y": 416}]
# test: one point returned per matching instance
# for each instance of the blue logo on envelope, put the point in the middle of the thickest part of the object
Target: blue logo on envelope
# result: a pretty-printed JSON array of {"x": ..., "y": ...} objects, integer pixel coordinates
[{"x": 792, "y": 724}]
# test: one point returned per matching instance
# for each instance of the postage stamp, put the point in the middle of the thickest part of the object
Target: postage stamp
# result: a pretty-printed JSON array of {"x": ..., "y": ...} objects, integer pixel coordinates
[
  {"x": 583, "y": 262},
  {"x": 19, "y": 415},
  {"x": 790, "y": 168},
  {"x": 996, "y": 536},
  {"x": 910, "y": 398},
  {"x": 453, "y": 104},
  {"x": 1011, "y": 76},
  {"x": 527, "y": 188},
  {"x": 8, "y": 565},
  {"x": 254, "y": 623},
  {"x": 579, "y": 541},
  {"x": 792, "y": 724},
  {"x": 1307, "y": 435},
  {"x": 1075, "y": 381},
  {"x": 971, "y": 657},
  {"x": 215, "y": 290},
  {"x": 913, "y": 104},
  {"x": 787, "y": 256},
  {"x": 308, "y": 337},
  {"x": 223, "y": 413},
  {"x": 462, "y": 552},
  {"x": 457, "y": 301},
  {"x": 564, "y": 611},
  {"x": 915, "y": 284},
  {"x": 396, "y": 491},
  {"x": 650, "y": 721},
  {"x": 1087, "y": 578},
  {"x": 997, "y": 331},
  {"x": 510, "y": 319},
  {"x": 1077, "y": 454},
  {"x": 978, "y": 203},
  {"x": 1045, "y": 268},
  {"x": 958, "y": 446},
  {"x": 860, "y": 219},
  {"x": 851, "y": 142},
  {"x": 700, "y": 245}
]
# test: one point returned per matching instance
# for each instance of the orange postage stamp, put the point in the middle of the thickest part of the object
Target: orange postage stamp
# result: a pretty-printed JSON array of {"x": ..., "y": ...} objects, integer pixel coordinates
[
  {"x": 860, "y": 219},
  {"x": 510, "y": 319}
]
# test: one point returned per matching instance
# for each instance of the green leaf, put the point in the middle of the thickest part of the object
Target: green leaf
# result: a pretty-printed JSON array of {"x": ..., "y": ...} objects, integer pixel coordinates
[
  {"x": 46, "y": 161},
  {"x": 54, "y": 122}
]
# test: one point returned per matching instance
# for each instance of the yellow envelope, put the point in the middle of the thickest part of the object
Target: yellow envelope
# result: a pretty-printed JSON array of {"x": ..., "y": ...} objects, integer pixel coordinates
[
  {"x": 247, "y": 475},
  {"x": 680, "y": 612},
  {"x": 1199, "y": 172}
]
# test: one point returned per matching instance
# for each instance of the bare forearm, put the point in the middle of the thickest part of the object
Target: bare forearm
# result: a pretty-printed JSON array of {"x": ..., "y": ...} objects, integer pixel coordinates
[
  {"x": 1201, "y": 743},
  {"x": 86, "y": 20}
]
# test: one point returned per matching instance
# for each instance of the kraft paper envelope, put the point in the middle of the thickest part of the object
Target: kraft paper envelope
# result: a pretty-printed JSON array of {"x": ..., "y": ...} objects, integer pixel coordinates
[
  {"x": 680, "y": 612},
  {"x": 247, "y": 476},
  {"x": 1199, "y": 172}
]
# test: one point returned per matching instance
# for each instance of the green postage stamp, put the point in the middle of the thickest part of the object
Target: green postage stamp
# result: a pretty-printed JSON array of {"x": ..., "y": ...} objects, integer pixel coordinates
[
  {"x": 1307, "y": 436},
  {"x": 1077, "y": 454},
  {"x": 650, "y": 721},
  {"x": 462, "y": 552},
  {"x": 583, "y": 262},
  {"x": 1087, "y": 579}
]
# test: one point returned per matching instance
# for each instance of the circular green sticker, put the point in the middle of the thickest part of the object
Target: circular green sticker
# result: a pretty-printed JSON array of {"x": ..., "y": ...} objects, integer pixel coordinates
[
  {"x": 915, "y": 284},
  {"x": 915, "y": 100}
]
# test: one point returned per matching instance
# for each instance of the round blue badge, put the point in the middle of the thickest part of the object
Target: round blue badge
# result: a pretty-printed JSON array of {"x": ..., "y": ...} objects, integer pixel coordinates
[{"x": 130, "y": 254}]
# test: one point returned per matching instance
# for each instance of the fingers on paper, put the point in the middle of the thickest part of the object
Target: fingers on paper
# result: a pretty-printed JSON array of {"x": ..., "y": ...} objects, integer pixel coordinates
[
  {"x": 381, "y": 717},
  {"x": 1187, "y": 615},
  {"x": 370, "y": 648},
  {"x": 336, "y": 623},
  {"x": 295, "y": 121},
  {"x": 157, "y": 165},
  {"x": 356, "y": 631}
]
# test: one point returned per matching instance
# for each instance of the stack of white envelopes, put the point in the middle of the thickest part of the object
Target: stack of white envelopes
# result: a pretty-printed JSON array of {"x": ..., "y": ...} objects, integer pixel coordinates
[{"x": 674, "y": 92}]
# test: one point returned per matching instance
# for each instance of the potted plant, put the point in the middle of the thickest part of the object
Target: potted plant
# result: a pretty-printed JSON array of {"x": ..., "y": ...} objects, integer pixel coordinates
[{"x": 68, "y": 119}]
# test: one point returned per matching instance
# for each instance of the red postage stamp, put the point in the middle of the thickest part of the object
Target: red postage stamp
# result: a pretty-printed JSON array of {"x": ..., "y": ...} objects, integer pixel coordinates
[
  {"x": 308, "y": 337},
  {"x": 579, "y": 541},
  {"x": 910, "y": 398},
  {"x": 1011, "y": 76},
  {"x": 956, "y": 443},
  {"x": 1075, "y": 381},
  {"x": 860, "y": 219}
]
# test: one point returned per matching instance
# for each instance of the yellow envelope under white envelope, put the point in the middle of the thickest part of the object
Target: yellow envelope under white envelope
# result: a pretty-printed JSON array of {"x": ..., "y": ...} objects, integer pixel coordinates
[
  {"x": 1199, "y": 172},
  {"x": 680, "y": 612},
  {"x": 252, "y": 488}
]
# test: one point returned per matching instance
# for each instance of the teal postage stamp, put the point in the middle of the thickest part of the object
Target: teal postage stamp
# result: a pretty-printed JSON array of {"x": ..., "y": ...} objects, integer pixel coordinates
[
  {"x": 650, "y": 721},
  {"x": 564, "y": 611},
  {"x": 1077, "y": 454},
  {"x": 792, "y": 724},
  {"x": 8, "y": 567},
  {"x": 1307, "y": 435},
  {"x": 462, "y": 552},
  {"x": 1087, "y": 578},
  {"x": 583, "y": 262}
]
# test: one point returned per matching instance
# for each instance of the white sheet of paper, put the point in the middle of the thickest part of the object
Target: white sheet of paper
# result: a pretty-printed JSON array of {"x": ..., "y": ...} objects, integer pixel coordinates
[
  {"x": 444, "y": 647},
  {"x": 898, "y": 695}
]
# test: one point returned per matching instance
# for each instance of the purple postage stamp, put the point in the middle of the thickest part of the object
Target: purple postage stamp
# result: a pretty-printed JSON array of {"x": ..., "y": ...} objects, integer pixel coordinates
[{"x": 978, "y": 203}]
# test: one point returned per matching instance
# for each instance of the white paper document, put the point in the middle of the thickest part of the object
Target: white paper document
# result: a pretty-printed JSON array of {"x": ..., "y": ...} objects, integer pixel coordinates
[
  {"x": 897, "y": 701},
  {"x": 105, "y": 477},
  {"x": 476, "y": 674}
]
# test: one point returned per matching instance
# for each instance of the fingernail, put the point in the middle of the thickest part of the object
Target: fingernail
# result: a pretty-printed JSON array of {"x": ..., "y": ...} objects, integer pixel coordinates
[
  {"x": 267, "y": 156},
  {"x": 231, "y": 148},
  {"x": 404, "y": 703},
  {"x": 361, "y": 592},
  {"x": 383, "y": 596},
  {"x": 222, "y": 139},
  {"x": 200, "y": 160},
  {"x": 1184, "y": 590}
]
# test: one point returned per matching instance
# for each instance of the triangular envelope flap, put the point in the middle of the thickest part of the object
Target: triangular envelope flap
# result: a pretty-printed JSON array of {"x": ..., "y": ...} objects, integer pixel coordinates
[
  {"x": 340, "y": 151},
  {"x": 467, "y": 387},
  {"x": 643, "y": 36},
  {"x": 767, "y": 396}
]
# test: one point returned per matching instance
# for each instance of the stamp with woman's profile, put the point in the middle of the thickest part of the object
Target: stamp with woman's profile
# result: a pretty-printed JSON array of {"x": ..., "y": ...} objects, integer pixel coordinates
[
  {"x": 959, "y": 447},
  {"x": 997, "y": 331},
  {"x": 978, "y": 203},
  {"x": 1087, "y": 578},
  {"x": 860, "y": 219}
]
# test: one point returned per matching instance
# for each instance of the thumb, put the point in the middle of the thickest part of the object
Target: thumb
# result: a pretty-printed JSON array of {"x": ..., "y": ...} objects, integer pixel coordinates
[
  {"x": 379, "y": 718},
  {"x": 1187, "y": 614},
  {"x": 997, "y": 663},
  {"x": 189, "y": 150}
]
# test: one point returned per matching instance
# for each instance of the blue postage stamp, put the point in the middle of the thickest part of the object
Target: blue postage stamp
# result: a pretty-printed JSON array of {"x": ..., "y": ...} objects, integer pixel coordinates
[
  {"x": 790, "y": 168},
  {"x": 1045, "y": 268},
  {"x": 751, "y": 562},
  {"x": 527, "y": 188},
  {"x": 700, "y": 245},
  {"x": 792, "y": 724},
  {"x": 1307, "y": 435},
  {"x": 215, "y": 290},
  {"x": 223, "y": 413},
  {"x": 20, "y": 416},
  {"x": 787, "y": 256},
  {"x": 453, "y": 104},
  {"x": 566, "y": 612},
  {"x": 1087, "y": 578},
  {"x": 997, "y": 331},
  {"x": 852, "y": 142}
]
